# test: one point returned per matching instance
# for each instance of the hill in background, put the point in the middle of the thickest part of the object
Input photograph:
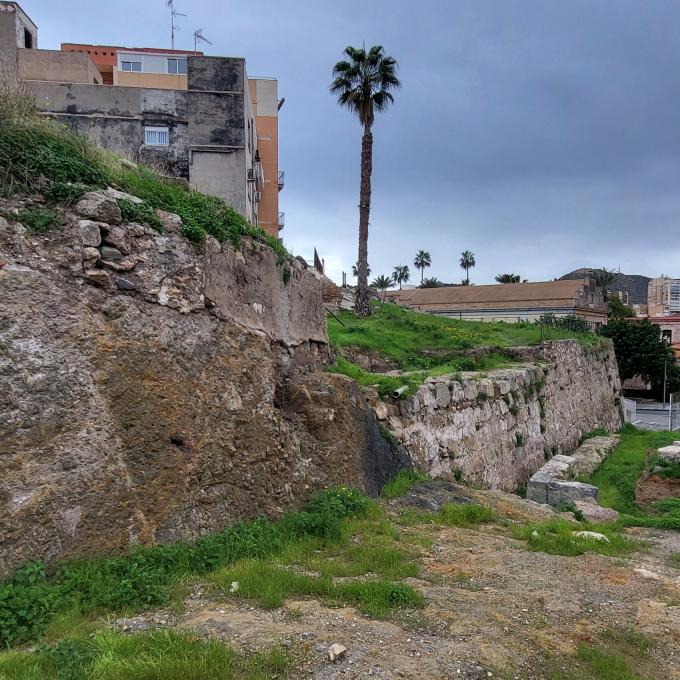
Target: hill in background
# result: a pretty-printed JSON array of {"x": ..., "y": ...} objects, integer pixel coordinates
[{"x": 634, "y": 284}]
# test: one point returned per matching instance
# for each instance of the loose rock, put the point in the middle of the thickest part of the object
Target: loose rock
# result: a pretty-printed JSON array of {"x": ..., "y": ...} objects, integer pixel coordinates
[
  {"x": 98, "y": 206},
  {"x": 336, "y": 651}
]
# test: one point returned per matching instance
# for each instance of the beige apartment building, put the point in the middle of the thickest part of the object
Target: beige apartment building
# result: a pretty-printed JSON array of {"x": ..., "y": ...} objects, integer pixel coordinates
[
  {"x": 663, "y": 296},
  {"x": 192, "y": 116}
]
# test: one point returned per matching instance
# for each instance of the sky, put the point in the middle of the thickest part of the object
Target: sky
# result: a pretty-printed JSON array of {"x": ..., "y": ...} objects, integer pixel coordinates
[{"x": 543, "y": 135}]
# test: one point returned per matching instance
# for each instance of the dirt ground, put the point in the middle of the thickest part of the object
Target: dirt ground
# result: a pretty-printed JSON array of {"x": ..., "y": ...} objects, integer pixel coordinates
[{"x": 493, "y": 609}]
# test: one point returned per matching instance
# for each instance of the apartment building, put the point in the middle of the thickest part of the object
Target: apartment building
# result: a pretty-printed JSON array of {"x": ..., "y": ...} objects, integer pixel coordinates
[
  {"x": 663, "y": 296},
  {"x": 188, "y": 115}
]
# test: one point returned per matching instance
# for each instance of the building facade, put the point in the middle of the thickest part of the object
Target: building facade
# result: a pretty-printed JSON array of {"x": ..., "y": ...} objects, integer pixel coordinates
[
  {"x": 663, "y": 296},
  {"x": 510, "y": 302},
  {"x": 185, "y": 114}
]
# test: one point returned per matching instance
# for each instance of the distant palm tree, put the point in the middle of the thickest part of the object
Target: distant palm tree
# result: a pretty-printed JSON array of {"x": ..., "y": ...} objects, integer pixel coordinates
[
  {"x": 604, "y": 278},
  {"x": 401, "y": 274},
  {"x": 433, "y": 282},
  {"x": 382, "y": 283},
  {"x": 355, "y": 270},
  {"x": 364, "y": 84},
  {"x": 507, "y": 278},
  {"x": 467, "y": 261},
  {"x": 421, "y": 261}
]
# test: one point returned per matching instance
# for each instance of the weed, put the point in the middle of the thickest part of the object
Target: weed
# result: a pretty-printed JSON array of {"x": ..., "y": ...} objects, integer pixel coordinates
[
  {"x": 482, "y": 397},
  {"x": 464, "y": 515},
  {"x": 65, "y": 193},
  {"x": 40, "y": 220},
  {"x": 520, "y": 439},
  {"x": 388, "y": 436},
  {"x": 287, "y": 273},
  {"x": 458, "y": 474},
  {"x": 401, "y": 483},
  {"x": 597, "y": 432}
]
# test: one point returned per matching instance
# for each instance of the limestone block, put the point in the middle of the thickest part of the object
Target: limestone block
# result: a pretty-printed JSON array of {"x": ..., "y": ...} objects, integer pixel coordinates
[{"x": 443, "y": 395}]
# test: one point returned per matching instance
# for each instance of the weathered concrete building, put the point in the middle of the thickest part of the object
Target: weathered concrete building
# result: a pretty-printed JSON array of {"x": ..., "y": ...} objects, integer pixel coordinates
[{"x": 188, "y": 115}]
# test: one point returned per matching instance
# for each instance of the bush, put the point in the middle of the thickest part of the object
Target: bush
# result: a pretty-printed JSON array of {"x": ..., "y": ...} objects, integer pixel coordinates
[{"x": 66, "y": 193}]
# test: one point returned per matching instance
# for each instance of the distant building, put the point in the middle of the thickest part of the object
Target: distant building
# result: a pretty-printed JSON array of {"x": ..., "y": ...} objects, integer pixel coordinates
[
  {"x": 663, "y": 297},
  {"x": 187, "y": 115},
  {"x": 510, "y": 302}
]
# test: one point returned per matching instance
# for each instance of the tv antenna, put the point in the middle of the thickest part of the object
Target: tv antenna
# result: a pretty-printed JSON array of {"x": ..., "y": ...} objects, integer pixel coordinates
[
  {"x": 173, "y": 14},
  {"x": 199, "y": 37}
]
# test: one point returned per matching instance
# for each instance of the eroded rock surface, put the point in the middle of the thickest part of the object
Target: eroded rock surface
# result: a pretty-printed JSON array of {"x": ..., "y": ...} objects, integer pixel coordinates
[{"x": 164, "y": 393}]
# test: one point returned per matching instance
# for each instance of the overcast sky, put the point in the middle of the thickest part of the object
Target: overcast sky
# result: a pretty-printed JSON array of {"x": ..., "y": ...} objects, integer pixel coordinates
[{"x": 543, "y": 135}]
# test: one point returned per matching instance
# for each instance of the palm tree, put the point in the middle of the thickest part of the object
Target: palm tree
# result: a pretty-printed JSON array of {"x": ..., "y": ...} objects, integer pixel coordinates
[
  {"x": 433, "y": 282},
  {"x": 604, "y": 278},
  {"x": 364, "y": 84},
  {"x": 355, "y": 270},
  {"x": 422, "y": 260},
  {"x": 507, "y": 278},
  {"x": 467, "y": 261},
  {"x": 382, "y": 283},
  {"x": 401, "y": 274}
]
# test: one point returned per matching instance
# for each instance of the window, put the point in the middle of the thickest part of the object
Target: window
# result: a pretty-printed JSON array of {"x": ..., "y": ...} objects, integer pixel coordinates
[
  {"x": 178, "y": 66},
  {"x": 132, "y": 66},
  {"x": 156, "y": 135}
]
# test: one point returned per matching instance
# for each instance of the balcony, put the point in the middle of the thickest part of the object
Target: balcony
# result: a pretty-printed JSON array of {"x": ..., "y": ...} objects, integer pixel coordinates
[
  {"x": 282, "y": 220},
  {"x": 282, "y": 177}
]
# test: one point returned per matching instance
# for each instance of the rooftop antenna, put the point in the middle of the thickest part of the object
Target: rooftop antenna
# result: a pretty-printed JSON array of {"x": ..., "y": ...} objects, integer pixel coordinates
[
  {"x": 173, "y": 13},
  {"x": 199, "y": 37}
]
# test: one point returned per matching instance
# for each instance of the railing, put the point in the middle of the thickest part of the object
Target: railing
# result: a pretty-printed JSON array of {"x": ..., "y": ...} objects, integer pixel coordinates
[
  {"x": 282, "y": 178},
  {"x": 282, "y": 220}
]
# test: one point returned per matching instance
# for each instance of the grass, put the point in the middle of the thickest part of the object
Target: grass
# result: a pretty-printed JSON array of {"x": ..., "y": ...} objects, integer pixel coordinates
[
  {"x": 401, "y": 483},
  {"x": 369, "y": 555},
  {"x": 34, "y": 149},
  {"x": 30, "y": 601},
  {"x": 466, "y": 515},
  {"x": 556, "y": 537},
  {"x": 402, "y": 335},
  {"x": 617, "y": 477},
  {"x": 156, "y": 655},
  {"x": 424, "y": 345},
  {"x": 620, "y": 655}
]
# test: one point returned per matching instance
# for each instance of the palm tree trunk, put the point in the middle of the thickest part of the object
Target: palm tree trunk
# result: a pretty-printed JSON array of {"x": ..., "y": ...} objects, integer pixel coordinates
[
  {"x": 362, "y": 303},
  {"x": 422, "y": 273}
]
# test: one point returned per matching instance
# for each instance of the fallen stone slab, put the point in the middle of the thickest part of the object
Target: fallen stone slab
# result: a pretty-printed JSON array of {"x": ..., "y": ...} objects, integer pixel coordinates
[
  {"x": 431, "y": 495},
  {"x": 596, "y": 513}
]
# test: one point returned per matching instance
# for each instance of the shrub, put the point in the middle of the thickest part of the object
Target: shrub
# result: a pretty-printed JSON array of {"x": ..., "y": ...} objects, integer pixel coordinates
[
  {"x": 39, "y": 220},
  {"x": 66, "y": 193}
]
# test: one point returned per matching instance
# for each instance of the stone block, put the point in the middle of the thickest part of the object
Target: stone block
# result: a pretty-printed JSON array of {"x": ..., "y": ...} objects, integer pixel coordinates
[
  {"x": 98, "y": 206},
  {"x": 90, "y": 234}
]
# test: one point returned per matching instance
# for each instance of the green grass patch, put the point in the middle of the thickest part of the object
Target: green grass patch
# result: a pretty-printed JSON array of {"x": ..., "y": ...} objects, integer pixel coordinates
[
  {"x": 383, "y": 383},
  {"x": 401, "y": 483},
  {"x": 621, "y": 655},
  {"x": 617, "y": 477},
  {"x": 402, "y": 335},
  {"x": 146, "y": 577},
  {"x": 156, "y": 655},
  {"x": 556, "y": 537},
  {"x": 370, "y": 555},
  {"x": 141, "y": 213},
  {"x": 269, "y": 584},
  {"x": 465, "y": 515},
  {"x": 37, "y": 219}
]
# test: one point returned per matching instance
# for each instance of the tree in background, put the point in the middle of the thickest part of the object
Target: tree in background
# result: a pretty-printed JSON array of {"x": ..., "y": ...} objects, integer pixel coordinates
[
  {"x": 401, "y": 274},
  {"x": 382, "y": 283},
  {"x": 421, "y": 261},
  {"x": 467, "y": 261},
  {"x": 616, "y": 308},
  {"x": 507, "y": 278},
  {"x": 604, "y": 278},
  {"x": 355, "y": 270},
  {"x": 640, "y": 351},
  {"x": 364, "y": 83},
  {"x": 433, "y": 282}
]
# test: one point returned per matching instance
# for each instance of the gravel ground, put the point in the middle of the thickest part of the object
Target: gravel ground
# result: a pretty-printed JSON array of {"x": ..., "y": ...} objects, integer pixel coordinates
[{"x": 493, "y": 609}]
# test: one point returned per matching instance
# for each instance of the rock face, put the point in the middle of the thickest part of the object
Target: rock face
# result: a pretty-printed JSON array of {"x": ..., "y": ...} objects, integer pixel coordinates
[
  {"x": 166, "y": 400},
  {"x": 496, "y": 431}
]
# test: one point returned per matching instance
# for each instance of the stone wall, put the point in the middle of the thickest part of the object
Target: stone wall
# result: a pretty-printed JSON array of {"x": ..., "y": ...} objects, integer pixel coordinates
[
  {"x": 497, "y": 430},
  {"x": 150, "y": 392}
]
